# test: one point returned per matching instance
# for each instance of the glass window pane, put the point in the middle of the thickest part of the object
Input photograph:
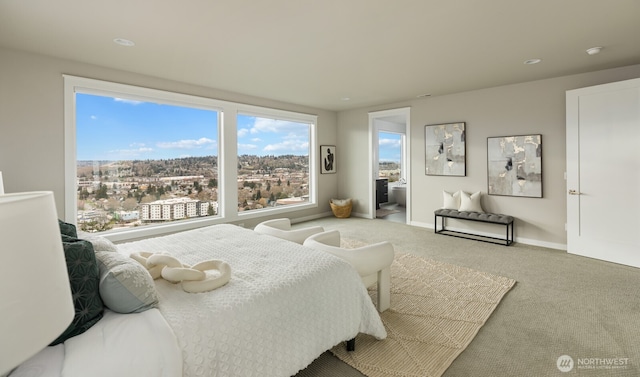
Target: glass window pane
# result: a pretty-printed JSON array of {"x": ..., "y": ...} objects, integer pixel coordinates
[
  {"x": 273, "y": 163},
  {"x": 141, "y": 163},
  {"x": 390, "y": 156}
]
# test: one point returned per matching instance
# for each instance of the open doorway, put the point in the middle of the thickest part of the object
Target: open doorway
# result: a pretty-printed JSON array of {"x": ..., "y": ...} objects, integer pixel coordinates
[
  {"x": 390, "y": 188},
  {"x": 391, "y": 173}
]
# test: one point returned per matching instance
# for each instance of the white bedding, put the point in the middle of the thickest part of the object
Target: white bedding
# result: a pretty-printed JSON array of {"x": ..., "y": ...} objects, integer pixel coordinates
[
  {"x": 123, "y": 345},
  {"x": 284, "y": 305},
  {"x": 46, "y": 363}
]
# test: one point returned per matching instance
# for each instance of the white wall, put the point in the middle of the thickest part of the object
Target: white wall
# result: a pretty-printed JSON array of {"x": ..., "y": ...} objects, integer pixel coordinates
[
  {"x": 32, "y": 150},
  {"x": 527, "y": 108},
  {"x": 32, "y": 121}
]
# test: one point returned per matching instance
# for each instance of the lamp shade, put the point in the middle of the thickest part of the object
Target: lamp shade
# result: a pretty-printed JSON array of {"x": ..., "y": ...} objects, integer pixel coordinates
[{"x": 35, "y": 294}]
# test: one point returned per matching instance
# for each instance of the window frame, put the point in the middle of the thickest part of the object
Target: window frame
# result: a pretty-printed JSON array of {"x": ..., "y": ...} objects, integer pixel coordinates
[
  {"x": 227, "y": 153},
  {"x": 256, "y": 111}
]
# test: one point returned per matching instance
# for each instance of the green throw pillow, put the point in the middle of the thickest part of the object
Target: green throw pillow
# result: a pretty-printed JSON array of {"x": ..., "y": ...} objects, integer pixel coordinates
[
  {"x": 67, "y": 229},
  {"x": 125, "y": 285},
  {"x": 84, "y": 279}
]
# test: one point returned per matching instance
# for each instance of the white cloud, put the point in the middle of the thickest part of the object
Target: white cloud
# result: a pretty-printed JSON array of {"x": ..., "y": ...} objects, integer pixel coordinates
[
  {"x": 288, "y": 146},
  {"x": 128, "y": 101},
  {"x": 124, "y": 154},
  {"x": 93, "y": 117},
  {"x": 279, "y": 137},
  {"x": 275, "y": 126},
  {"x": 243, "y": 132},
  {"x": 247, "y": 147},
  {"x": 203, "y": 142},
  {"x": 394, "y": 143}
]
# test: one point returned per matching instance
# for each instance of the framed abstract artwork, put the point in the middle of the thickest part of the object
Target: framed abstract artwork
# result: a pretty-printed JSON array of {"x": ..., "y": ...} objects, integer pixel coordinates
[
  {"x": 445, "y": 149},
  {"x": 514, "y": 165},
  {"x": 327, "y": 159}
]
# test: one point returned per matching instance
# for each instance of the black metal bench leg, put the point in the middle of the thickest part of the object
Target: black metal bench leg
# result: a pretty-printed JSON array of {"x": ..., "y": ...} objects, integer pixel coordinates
[
  {"x": 351, "y": 345},
  {"x": 435, "y": 224},
  {"x": 512, "y": 240},
  {"x": 506, "y": 242}
]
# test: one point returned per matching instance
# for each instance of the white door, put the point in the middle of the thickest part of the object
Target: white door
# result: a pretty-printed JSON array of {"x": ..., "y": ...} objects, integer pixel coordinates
[{"x": 603, "y": 172}]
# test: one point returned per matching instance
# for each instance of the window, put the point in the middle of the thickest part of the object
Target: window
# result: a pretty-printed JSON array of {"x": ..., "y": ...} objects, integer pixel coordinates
[
  {"x": 273, "y": 163},
  {"x": 142, "y": 162},
  {"x": 390, "y": 156}
]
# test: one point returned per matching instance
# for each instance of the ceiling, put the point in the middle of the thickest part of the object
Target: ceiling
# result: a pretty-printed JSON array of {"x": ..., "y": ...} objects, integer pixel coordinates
[{"x": 318, "y": 53}]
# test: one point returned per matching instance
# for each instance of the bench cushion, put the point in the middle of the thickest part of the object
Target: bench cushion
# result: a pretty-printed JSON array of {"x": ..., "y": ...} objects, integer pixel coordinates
[{"x": 477, "y": 216}]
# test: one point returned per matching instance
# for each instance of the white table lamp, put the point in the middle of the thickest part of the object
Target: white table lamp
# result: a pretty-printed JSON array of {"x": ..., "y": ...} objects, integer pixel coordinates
[
  {"x": 1, "y": 185},
  {"x": 35, "y": 294}
]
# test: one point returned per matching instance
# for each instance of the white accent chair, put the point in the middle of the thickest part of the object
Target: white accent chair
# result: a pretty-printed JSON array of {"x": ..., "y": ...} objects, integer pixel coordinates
[
  {"x": 373, "y": 262},
  {"x": 281, "y": 228}
]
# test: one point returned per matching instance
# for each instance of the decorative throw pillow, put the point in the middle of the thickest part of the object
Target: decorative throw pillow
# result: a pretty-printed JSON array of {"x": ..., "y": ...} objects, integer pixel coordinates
[
  {"x": 470, "y": 202},
  {"x": 67, "y": 229},
  {"x": 125, "y": 285},
  {"x": 451, "y": 200},
  {"x": 99, "y": 243},
  {"x": 83, "y": 277}
]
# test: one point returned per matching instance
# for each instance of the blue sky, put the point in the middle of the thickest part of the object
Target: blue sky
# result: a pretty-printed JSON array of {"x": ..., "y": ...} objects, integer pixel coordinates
[
  {"x": 115, "y": 129},
  {"x": 389, "y": 147}
]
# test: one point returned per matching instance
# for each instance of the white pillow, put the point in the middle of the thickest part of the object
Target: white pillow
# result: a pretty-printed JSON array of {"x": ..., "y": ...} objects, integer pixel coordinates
[
  {"x": 470, "y": 202},
  {"x": 125, "y": 285},
  {"x": 100, "y": 243},
  {"x": 451, "y": 200}
]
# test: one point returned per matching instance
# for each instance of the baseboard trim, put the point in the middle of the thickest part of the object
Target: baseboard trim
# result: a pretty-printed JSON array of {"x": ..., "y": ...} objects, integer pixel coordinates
[
  {"x": 311, "y": 217},
  {"x": 526, "y": 241},
  {"x": 361, "y": 215}
]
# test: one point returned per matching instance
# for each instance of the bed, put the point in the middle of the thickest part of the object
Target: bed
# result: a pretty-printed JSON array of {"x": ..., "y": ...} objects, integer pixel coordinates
[{"x": 284, "y": 305}]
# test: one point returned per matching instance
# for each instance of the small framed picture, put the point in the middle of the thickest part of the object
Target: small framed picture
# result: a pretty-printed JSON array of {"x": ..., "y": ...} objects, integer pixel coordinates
[{"x": 327, "y": 159}]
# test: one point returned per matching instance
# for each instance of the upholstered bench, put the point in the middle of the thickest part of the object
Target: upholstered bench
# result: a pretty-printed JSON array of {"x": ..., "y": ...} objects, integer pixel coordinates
[{"x": 491, "y": 218}]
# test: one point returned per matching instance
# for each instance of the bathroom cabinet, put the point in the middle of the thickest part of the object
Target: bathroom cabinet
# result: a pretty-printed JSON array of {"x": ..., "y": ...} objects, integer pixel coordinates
[{"x": 382, "y": 191}]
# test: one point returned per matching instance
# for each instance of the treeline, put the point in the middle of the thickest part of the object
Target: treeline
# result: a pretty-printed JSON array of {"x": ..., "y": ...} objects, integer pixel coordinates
[{"x": 206, "y": 166}]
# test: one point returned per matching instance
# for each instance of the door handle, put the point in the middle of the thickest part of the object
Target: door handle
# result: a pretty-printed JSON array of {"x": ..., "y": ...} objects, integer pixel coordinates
[{"x": 574, "y": 192}]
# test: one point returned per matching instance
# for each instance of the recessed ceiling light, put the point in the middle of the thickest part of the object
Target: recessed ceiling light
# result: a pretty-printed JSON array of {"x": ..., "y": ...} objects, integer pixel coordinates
[
  {"x": 345, "y": 99},
  {"x": 594, "y": 50},
  {"x": 532, "y": 61},
  {"x": 124, "y": 42}
]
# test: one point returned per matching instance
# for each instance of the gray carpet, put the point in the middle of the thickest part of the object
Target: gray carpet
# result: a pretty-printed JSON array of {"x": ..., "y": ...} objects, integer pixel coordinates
[{"x": 562, "y": 305}]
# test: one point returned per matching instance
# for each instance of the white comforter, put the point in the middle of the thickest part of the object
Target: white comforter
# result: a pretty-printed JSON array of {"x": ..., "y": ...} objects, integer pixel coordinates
[{"x": 284, "y": 305}]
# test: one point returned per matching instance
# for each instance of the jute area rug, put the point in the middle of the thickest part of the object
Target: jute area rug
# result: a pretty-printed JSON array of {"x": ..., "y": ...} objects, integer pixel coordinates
[{"x": 436, "y": 311}]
